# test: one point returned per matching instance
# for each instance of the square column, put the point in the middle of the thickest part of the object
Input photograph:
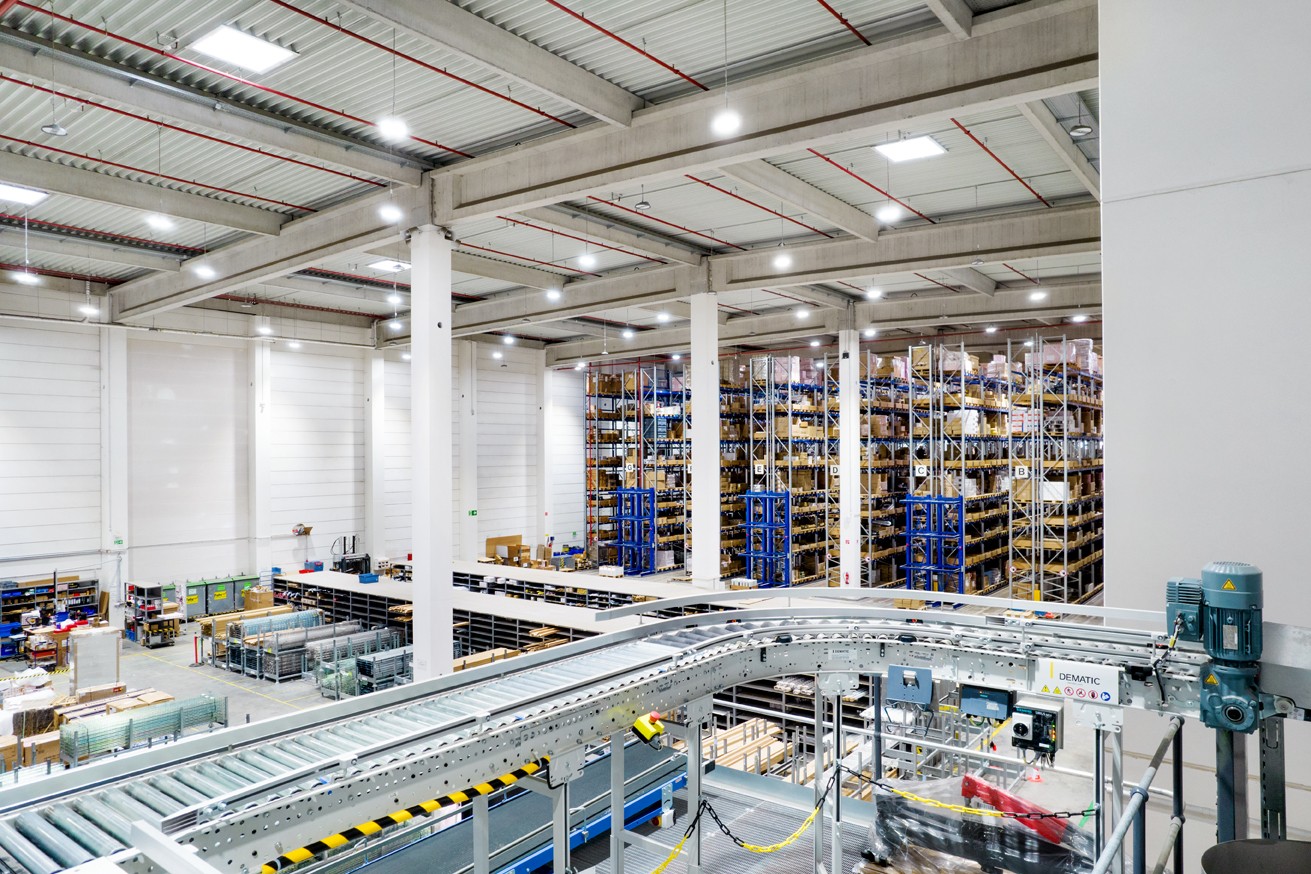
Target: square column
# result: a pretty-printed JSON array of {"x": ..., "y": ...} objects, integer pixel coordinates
[
  {"x": 430, "y": 259},
  {"x": 849, "y": 473},
  {"x": 705, "y": 440},
  {"x": 259, "y": 453},
  {"x": 466, "y": 371}
]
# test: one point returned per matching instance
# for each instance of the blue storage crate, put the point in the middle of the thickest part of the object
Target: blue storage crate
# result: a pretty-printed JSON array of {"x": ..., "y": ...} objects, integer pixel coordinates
[{"x": 368, "y": 578}]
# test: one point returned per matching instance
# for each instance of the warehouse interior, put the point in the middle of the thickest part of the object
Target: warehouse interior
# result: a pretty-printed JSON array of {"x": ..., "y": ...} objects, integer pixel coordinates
[{"x": 602, "y": 435}]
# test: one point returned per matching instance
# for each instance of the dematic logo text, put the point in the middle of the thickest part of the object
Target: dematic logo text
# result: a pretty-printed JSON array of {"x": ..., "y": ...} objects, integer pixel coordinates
[{"x": 1080, "y": 678}]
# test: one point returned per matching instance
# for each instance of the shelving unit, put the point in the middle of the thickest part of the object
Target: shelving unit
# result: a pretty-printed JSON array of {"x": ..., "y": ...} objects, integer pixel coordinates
[
  {"x": 788, "y": 450},
  {"x": 885, "y": 449},
  {"x": 636, "y": 438},
  {"x": 69, "y": 594},
  {"x": 637, "y": 531},
  {"x": 1056, "y": 474},
  {"x": 371, "y": 605}
]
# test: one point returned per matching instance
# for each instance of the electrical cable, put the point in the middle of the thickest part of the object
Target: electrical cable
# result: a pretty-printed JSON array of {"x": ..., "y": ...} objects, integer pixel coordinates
[{"x": 971, "y": 811}]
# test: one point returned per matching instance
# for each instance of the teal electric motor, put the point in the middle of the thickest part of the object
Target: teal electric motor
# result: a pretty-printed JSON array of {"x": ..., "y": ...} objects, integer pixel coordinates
[{"x": 1223, "y": 611}]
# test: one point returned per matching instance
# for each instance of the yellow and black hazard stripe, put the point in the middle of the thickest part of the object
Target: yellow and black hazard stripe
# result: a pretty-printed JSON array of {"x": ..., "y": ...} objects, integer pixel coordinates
[{"x": 340, "y": 839}]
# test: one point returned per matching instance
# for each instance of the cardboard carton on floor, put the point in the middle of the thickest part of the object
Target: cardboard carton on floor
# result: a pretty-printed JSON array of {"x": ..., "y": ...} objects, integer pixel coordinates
[
  {"x": 147, "y": 698},
  {"x": 39, "y": 748}
]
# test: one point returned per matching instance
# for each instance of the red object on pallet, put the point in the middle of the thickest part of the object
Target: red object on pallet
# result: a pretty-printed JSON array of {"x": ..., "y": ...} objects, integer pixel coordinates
[{"x": 999, "y": 799}]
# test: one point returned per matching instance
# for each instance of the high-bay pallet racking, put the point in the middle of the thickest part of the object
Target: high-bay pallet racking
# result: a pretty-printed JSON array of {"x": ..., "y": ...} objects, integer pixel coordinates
[
  {"x": 1056, "y": 451},
  {"x": 637, "y": 467}
]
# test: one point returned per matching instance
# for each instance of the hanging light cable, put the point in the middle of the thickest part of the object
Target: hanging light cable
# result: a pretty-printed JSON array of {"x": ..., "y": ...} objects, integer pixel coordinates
[{"x": 727, "y": 121}]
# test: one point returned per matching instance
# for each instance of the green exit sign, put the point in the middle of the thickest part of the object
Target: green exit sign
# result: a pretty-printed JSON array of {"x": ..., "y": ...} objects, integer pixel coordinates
[{"x": 473, "y": 512}]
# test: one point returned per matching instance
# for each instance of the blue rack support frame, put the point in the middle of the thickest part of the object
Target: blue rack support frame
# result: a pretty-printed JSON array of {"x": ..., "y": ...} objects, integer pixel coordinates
[
  {"x": 768, "y": 527},
  {"x": 638, "y": 539}
]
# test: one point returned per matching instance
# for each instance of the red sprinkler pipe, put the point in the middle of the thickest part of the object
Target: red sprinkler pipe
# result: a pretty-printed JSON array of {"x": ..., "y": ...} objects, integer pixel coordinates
[
  {"x": 617, "y": 38},
  {"x": 187, "y": 131},
  {"x": 936, "y": 282},
  {"x": 1004, "y": 165},
  {"x": 847, "y": 24},
  {"x": 649, "y": 217},
  {"x": 759, "y": 206},
  {"x": 865, "y": 181},
  {"x": 231, "y": 78},
  {"x": 1018, "y": 273},
  {"x": 438, "y": 70},
  {"x": 91, "y": 233},
  {"x": 177, "y": 179}
]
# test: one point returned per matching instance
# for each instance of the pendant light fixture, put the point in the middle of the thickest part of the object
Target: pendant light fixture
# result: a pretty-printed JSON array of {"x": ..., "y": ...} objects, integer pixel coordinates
[{"x": 727, "y": 121}]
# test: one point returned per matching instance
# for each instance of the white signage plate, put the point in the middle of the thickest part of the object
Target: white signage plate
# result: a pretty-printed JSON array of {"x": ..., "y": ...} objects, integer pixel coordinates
[{"x": 1077, "y": 681}]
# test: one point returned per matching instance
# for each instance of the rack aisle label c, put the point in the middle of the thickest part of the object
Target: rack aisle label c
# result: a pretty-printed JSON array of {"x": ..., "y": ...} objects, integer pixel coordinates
[{"x": 1078, "y": 681}]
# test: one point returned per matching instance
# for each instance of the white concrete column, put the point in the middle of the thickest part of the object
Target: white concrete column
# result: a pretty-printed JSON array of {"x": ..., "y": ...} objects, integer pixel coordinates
[
  {"x": 849, "y": 477},
  {"x": 260, "y": 424},
  {"x": 705, "y": 440},
  {"x": 430, "y": 314},
  {"x": 375, "y": 455},
  {"x": 115, "y": 534},
  {"x": 466, "y": 365},
  {"x": 545, "y": 447}
]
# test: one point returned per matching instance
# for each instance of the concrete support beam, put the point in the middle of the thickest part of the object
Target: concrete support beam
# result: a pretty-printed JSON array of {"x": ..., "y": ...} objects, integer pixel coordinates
[
  {"x": 1022, "y": 53},
  {"x": 849, "y": 473},
  {"x": 610, "y": 231},
  {"x": 579, "y": 298},
  {"x": 706, "y": 455},
  {"x": 1008, "y": 305},
  {"x": 821, "y": 296},
  {"x": 505, "y": 271},
  {"x": 955, "y": 15},
  {"x": 768, "y": 179},
  {"x": 969, "y": 278},
  {"x": 351, "y": 227},
  {"x": 104, "y": 253},
  {"x": 103, "y": 188},
  {"x": 431, "y": 404},
  {"x": 448, "y": 27},
  {"x": 1064, "y": 230},
  {"x": 103, "y": 80},
  {"x": 1059, "y": 139}
]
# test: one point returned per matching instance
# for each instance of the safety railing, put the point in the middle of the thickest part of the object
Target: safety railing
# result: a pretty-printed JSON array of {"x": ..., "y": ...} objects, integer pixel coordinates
[{"x": 1135, "y": 813}]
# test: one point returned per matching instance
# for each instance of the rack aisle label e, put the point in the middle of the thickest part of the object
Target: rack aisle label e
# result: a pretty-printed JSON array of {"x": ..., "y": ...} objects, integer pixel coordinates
[{"x": 1077, "y": 681}]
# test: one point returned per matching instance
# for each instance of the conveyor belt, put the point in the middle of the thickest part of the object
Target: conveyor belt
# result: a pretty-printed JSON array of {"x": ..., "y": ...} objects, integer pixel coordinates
[
  {"x": 240, "y": 794},
  {"x": 521, "y": 825}
]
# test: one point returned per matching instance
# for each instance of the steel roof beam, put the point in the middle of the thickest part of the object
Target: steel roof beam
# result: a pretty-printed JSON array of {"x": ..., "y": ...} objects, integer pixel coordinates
[
  {"x": 448, "y": 27},
  {"x": 101, "y": 79},
  {"x": 1059, "y": 139},
  {"x": 1036, "y": 233},
  {"x": 955, "y": 15},
  {"x": 115, "y": 190},
  {"x": 1018, "y": 54},
  {"x": 607, "y": 230},
  {"x": 768, "y": 179},
  {"x": 351, "y": 227}
]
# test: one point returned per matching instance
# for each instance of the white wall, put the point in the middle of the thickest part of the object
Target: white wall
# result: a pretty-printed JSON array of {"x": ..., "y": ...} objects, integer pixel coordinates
[
  {"x": 316, "y": 461},
  {"x": 1205, "y": 178},
  {"x": 508, "y": 423},
  {"x": 50, "y": 472},
  {"x": 568, "y": 396},
  {"x": 398, "y": 489},
  {"x": 187, "y": 458}
]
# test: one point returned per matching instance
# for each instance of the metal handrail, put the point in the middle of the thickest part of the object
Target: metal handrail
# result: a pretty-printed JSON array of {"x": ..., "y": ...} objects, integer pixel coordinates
[{"x": 1135, "y": 812}]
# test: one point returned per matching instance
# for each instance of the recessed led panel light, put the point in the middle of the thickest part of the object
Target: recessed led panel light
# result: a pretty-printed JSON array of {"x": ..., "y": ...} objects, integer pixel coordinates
[
  {"x": 204, "y": 271},
  {"x": 393, "y": 129},
  {"x": 390, "y": 213},
  {"x": 236, "y": 47},
  {"x": 19, "y": 194},
  {"x": 911, "y": 149},
  {"x": 1037, "y": 294},
  {"x": 889, "y": 214},
  {"x": 159, "y": 222}
]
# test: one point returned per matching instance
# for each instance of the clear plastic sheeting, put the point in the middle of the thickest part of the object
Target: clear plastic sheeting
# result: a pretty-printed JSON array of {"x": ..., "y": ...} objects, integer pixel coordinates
[
  {"x": 936, "y": 816},
  {"x": 96, "y": 735}
]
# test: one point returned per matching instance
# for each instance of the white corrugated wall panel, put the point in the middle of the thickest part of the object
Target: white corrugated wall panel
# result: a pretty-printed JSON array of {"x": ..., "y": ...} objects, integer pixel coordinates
[
  {"x": 508, "y": 423},
  {"x": 49, "y": 445},
  {"x": 188, "y": 456},
  {"x": 567, "y": 458},
  {"x": 398, "y": 486},
  {"x": 316, "y": 464}
]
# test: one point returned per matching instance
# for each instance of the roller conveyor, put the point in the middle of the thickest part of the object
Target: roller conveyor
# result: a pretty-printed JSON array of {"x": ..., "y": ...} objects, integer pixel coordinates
[{"x": 295, "y": 779}]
